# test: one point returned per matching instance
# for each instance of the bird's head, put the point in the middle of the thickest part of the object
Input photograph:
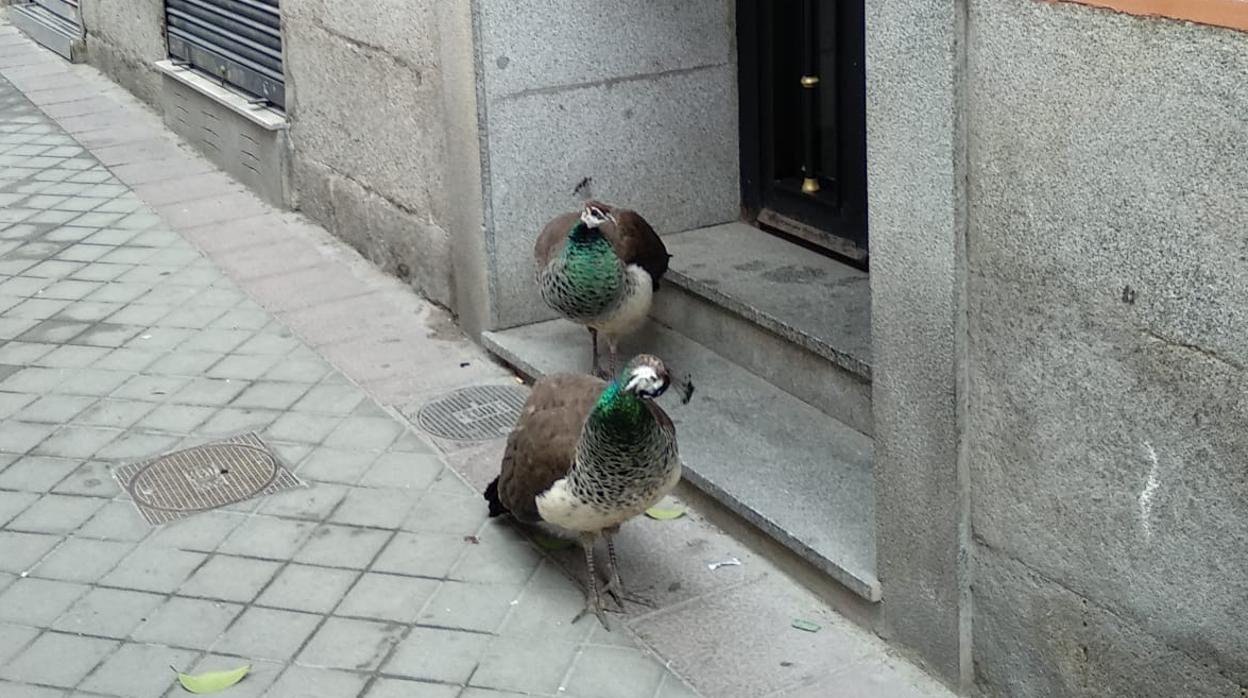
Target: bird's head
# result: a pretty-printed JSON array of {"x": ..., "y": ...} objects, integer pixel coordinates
[
  {"x": 594, "y": 215},
  {"x": 647, "y": 376}
]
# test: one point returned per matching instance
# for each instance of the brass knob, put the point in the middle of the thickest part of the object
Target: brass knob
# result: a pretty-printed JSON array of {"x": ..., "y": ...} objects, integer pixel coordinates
[
  {"x": 810, "y": 185},
  {"x": 809, "y": 81}
]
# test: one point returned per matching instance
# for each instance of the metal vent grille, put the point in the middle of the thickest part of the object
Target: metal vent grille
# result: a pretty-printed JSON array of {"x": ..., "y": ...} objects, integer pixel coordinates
[
  {"x": 238, "y": 41},
  {"x": 478, "y": 413},
  {"x": 209, "y": 476}
]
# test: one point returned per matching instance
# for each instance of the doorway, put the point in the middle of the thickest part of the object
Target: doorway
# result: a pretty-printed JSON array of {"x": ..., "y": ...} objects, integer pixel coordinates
[{"x": 803, "y": 121}]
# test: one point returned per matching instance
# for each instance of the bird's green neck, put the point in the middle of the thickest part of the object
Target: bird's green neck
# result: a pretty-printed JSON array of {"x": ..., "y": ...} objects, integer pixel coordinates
[
  {"x": 588, "y": 256},
  {"x": 619, "y": 411}
]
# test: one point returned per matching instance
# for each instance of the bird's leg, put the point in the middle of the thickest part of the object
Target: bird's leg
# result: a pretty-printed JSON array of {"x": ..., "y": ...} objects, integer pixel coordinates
[
  {"x": 613, "y": 347},
  {"x": 593, "y": 599},
  {"x": 595, "y": 367},
  {"x": 615, "y": 588}
]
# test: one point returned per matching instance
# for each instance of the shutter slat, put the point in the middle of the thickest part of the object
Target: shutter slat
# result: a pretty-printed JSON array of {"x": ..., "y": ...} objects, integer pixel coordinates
[{"x": 237, "y": 41}]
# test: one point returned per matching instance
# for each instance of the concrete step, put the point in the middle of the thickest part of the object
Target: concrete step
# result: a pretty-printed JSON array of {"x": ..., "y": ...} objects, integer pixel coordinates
[
  {"x": 801, "y": 476},
  {"x": 51, "y": 30},
  {"x": 797, "y": 318}
]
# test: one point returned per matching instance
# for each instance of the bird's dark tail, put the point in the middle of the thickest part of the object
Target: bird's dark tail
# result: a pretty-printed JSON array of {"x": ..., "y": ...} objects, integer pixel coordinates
[{"x": 496, "y": 504}]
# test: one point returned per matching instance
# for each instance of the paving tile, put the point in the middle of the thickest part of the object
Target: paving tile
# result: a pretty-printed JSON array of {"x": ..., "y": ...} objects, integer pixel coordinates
[
  {"x": 35, "y": 379},
  {"x": 12, "y": 503},
  {"x": 351, "y": 644},
  {"x": 12, "y": 639},
  {"x": 127, "y": 359},
  {"x": 398, "y": 688},
  {"x": 409, "y": 471},
  {"x": 335, "y": 465},
  {"x": 547, "y": 613},
  {"x": 424, "y": 555},
  {"x": 304, "y": 588},
  {"x": 83, "y": 560},
  {"x": 387, "y": 597},
  {"x": 8, "y": 688},
  {"x": 184, "y": 363},
  {"x": 54, "y": 331},
  {"x": 230, "y": 578},
  {"x": 179, "y": 419},
  {"x": 598, "y": 670},
  {"x": 673, "y": 687},
  {"x": 373, "y": 433},
  {"x": 243, "y": 367},
  {"x": 55, "y": 513},
  {"x": 37, "y": 602},
  {"x": 309, "y": 682},
  {"x": 12, "y": 403},
  {"x": 330, "y": 398},
  {"x": 91, "y": 381},
  {"x": 314, "y": 502},
  {"x": 267, "y": 633},
  {"x": 202, "y": 532},
  {"x": 131, "y": 671},
  {"x": 229, "y": 421},
  {"x": 116, "y": 521},
  {"x": 55, "y": 409},
  {"x": 342, "y": 546},
  {"x": 528, "y": 665},
  {"x": 23, "y": 353},
  {"x": 267, "y": 537},
  {"x": 480, "y": 607},
  {"x": 374, "y": 507},
  {"x": 36, "y": 473},
  {"x": 72, "y": 356},
  {"x": 435, "y": 654},
  {"x": 270, "y": 395},
  {"x": 299, "y": 370},
  {"x": 442, "y": 513},
  {"x": 108, "y": 612},
  {"x": 20, "y": 551},
  {"x": 56, "y": 659},
  {"x": 136, "y": 446},
  {"x": 501, "y": 556},
  {"x": 210, "y": 391},
  {"x": 154, "y": 569},
  {"x": 194, "y": 623},
  {"x": 75, "y": 442}
]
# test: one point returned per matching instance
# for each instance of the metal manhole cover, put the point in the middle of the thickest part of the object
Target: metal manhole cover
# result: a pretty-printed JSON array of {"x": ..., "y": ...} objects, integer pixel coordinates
[
  {"x": 477, "y": 413},
  {"x": 204, "y": 477}
]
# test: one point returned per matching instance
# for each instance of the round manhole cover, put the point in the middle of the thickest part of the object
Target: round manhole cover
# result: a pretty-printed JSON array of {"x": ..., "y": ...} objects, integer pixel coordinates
[
  {"x": 478, "y": 413},
  {"x": 204, "y": 477}
]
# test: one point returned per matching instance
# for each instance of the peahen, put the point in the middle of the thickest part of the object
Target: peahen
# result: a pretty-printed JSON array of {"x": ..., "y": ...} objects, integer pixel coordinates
[{"x": 585, "y": 456}]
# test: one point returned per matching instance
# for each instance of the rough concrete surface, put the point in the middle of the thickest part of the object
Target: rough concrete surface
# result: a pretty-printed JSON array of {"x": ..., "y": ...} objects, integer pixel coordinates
[
  {"x": 124, "y": 39},
  {"x": 132, "y": 327},
  {"x": 1108, "y": 311},
  {"x": 915, "y": 209}
]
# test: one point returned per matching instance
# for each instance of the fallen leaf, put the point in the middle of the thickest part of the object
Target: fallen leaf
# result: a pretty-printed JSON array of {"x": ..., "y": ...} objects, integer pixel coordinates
[
  {"x": 805, "y": 625},
  {"x": 551, "y": 543},
  {"x": 212, "y": 681},
  {"x": 665, "y": 513}
]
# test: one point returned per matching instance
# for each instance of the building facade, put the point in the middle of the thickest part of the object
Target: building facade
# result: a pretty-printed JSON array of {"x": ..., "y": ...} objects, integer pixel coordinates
[{"x": 964, "y": 283}]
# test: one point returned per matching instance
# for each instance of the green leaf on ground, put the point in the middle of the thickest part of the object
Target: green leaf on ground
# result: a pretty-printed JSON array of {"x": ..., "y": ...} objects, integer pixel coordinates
[
  {"x": 551, "y": 543},
  {"x": 212, "y": 681},
  {"x": 665, "y": 513},
  {"x": 805, "y": 625}
]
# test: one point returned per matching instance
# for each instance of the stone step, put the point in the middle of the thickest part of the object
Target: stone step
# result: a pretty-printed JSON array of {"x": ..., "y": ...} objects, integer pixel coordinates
[
  {"x": 797, "y": 474},
  {"x": 795, "y": 317}
]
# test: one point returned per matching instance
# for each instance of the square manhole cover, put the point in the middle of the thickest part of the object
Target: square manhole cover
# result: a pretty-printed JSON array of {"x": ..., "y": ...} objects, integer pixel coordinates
[{"x": 204, "y": 477}]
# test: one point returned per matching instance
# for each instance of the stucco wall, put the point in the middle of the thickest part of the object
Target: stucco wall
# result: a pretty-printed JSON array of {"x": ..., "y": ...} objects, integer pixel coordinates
[
  {"x": 124, "y": 38},
  {"x": 365, "y": 102},
  {"x": 639, "y": 95},
  {"x": 1108, "y": 289}
]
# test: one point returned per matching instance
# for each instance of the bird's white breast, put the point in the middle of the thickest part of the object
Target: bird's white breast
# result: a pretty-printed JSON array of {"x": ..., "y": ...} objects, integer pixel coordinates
[{"x": 631, "y": 313}]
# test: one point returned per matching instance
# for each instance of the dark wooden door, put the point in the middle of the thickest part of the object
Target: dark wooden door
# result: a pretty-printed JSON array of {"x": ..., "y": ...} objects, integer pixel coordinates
[{"x": 803, "y": 120}]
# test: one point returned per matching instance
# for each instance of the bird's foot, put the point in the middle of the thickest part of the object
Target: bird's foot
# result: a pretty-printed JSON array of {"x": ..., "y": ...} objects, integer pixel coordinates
[
  {"x": 594, "y": 606},
  {"x": 602, "y": 373},
  {"x": 620, "y": 596}
]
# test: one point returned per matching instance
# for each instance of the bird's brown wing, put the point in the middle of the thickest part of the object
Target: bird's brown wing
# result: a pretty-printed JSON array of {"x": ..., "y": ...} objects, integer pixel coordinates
[
  {"x": 635, "y": 241},
  {"x": 552, "y": 237},
  {"x": 542, "y": 446}
]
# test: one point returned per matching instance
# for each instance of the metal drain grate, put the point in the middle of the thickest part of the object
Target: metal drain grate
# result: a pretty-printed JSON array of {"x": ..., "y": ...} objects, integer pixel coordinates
[
  {"x": 477, "y": 413},
  {"x": 209, "y": 476}
]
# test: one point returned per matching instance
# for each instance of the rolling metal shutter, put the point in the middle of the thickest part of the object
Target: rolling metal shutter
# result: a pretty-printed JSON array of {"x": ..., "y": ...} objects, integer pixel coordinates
[
  {"x": 65, "y": 9},
  {"x": 238, "y": 41}
]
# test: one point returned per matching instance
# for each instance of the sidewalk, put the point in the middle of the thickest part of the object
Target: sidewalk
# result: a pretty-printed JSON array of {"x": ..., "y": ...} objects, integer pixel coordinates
[{"x": 149, "y": 304}]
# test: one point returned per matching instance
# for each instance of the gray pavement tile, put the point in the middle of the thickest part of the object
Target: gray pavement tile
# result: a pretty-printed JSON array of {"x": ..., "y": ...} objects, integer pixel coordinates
[
  {"x": 91, "y": 381},
  {"x": 407, "y": 471},
  {"x": 202, "y": 532},
  {"x": 12, "y": 403},
  {"x": 443, "y": 513},
  {"x": 374, "y": 507},
  {"x": 22, "y": 353},
  {"x": 547, "y": 613},
  {"x": 36, "y": 380},
  {"x": 127, "y": 359},
  {"x": 54, "y": 331},
  {"x": 55, "y": 513},
  {"x": 91, "y": 479},
  {"x": 55, "y": 409},
  {"x": 599, "y": 670},
  {"x": 673, "y": 687},
  {"x": 303, "y": 428},
  {"x": 118, "y": 520},
  {"x": 333, "y": 465},
  {"x": 299, "y": 370},
  {"x": 435, "y": 654},
  {"x": 267, "y": 537},
  {"x": 301, "y": 681},
  {"x": 20, "y": 551},
  {"x": 215, "y": 392},
  {"x": 70, "y": 289},
  {"x": 185, "y": 362},
  {"x": 314, "y": 502},
  {"x": 132, "y": 671},
  {"x": 82, "y": 560},
  {"x": 37, "y": 602},
  {"x": 116, "y": 291},
  {"x": 351, "y": 644},
  {"x": 372, "y": 433},
  {"x": 150, "y": 388},
  {"x": 270, "y": 343},
  {"x": 193, "y": 316},
  {"x": 35, "y": 473},
  {"x": 12, "y": 328},
  {"x": 100, "y": 271},
  {"x": 56, "y": 659},
  {"x": 398, "y": 688},
  {"x": 270, "y": 395},
  {"x": 502, "y": 556},
  {"x": 304, "y": 588},
  {"x": 152, "y": 568},
  {"x": 424, "y": 555},
  {"x": 8, "y": 688},
  {"x": 267, "y": 633},
  {"x": 72, "y": 356},
  {"x": 530, "y": 665},
  {"x": 217, "y": 340},
  {"x": 158, "y": 339},
  {"x": 243, "y": 366},
  {"x": 230, "y": 420},
  {"x": 330, "y": 398},
  {"x": 480, "y": 607},
  {"x": 38, "y": 308},
  {"x": 75, "y": 442},
  {"x": 108, "y": 612},
  {"x": 146, "y": 316},
  {"x": 120, "y": 414},
  {"x": 107, "y": 334},
  {"x": 12, "y": 503},
  {"x": 230, "y": 578},
  {"x": 179, "y": 419},
  {"x": 12, "y": 639},
  {"x": 194, "y": 623},
  {"x": 258, "y": 680},
  {"x": 342, "y": 546},
  {"x": 137, "y": 446},
  {"x": 387, "y": 597}
]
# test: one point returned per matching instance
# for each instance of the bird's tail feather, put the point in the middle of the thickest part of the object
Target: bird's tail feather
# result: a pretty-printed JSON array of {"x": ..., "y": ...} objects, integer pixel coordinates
[{"x": 491, "y": 496}]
